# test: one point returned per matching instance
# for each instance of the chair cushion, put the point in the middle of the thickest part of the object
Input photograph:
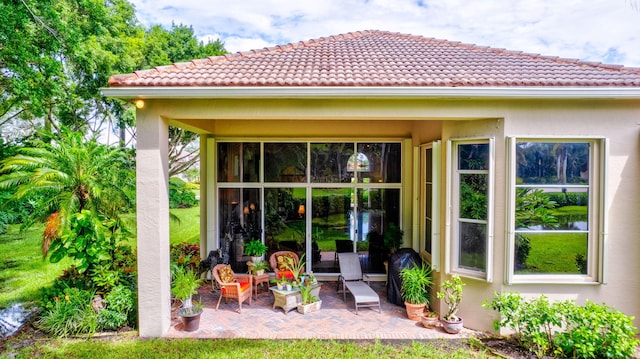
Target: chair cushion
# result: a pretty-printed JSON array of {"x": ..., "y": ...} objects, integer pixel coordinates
[
  {"x": 285, "y": 273},
  {"x": 226, "y": 274},
  {"x": 244, "y": 286},
  {"x": 285, "y": 262}
]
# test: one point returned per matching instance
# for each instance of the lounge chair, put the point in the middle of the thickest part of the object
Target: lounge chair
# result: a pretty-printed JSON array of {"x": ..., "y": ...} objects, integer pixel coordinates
[{"x": 351, "y": 279}]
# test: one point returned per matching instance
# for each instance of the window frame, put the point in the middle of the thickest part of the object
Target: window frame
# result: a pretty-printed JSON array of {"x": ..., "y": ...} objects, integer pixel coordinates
[
  {"x": 453, "y": 204},
  {"x": 597, "y": 218}
]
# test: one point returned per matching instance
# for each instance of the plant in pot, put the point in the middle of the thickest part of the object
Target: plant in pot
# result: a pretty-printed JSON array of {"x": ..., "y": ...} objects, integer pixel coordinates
[
  {"x": 309, "y": 302},
  {"x": 256, "y": 249},
  {"x": 280, "y": 282},
  {"x": 297, "y": 269},
  {"x": 429, "y": 319},
  {"x": 416, "y": 281},
  {"x": 184, "y": 285},
  {"x": 260, "y": 267},
  {"x": 451, "y": 293},
  {"x": 392, "y": 237}
]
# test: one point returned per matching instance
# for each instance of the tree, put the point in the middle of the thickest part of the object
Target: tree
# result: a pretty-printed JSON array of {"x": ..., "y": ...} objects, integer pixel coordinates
[{"x": 69, "y": 174}]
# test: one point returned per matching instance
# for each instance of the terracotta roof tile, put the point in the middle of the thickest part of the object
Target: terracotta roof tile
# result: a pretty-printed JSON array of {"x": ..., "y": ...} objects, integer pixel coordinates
[{"x": 379, "y": 58}]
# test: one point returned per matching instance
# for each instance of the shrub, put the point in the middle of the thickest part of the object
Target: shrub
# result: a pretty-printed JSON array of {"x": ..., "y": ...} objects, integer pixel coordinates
[
  {"x": 70, "y": 314},
  {"x": 565, "y": 328},
  {"x": 179, "y": 195},
  {"x": 119, "y": 304}
]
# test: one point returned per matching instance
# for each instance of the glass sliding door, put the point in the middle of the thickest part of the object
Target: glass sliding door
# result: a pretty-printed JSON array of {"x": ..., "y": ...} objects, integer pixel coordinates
[{"x": 316, "y": 199}]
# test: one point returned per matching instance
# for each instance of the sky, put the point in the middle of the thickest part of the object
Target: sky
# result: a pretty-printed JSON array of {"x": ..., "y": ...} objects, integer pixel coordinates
[{"x": 606, "y": 31}]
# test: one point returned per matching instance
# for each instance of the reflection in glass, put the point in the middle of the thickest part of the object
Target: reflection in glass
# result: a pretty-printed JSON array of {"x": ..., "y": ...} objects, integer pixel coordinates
[
  {"x": 473, "y": 196},
  {"x": 329, "y": 162},
  {"x": 285, "y": 219},
  {"x": 378, "y": 208},
  {"x": 473, "y": 156},
  {"x": 472, "y": 246},
  {"x": 238, "y": 162},
  {"x": 545, "y": 253},
  {"x": 384, "y": 162},
  {"x": 552, "y": 163},
  {"x": 285, "y": 162},
  {"x": 330, "y": 224}
]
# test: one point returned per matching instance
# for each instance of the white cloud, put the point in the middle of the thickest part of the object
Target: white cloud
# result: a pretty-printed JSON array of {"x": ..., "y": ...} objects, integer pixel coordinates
[{"x": 599, "y": 30}]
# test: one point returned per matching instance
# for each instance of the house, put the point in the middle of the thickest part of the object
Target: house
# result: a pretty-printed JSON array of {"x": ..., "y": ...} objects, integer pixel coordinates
[{"x": 517, "y": 171}]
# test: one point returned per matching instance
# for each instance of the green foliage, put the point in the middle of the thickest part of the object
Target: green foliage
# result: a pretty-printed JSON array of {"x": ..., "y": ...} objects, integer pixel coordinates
[
  {"x": 185, "y": 255},
  {"x": 255, "y": 248},
  {"x": 70, "y": 314},
  {"x": 305, "y": 294},
  {"x": 473, "y": 200},
  {"x": 564, "y": 328},
  {"x": 184, "y": 283},
  {"x": 89, "y": 240},
  {"x": 533, "y": 207},
  {"x": 416, "y": 281},
  {"x": 451, "y": 292},
  {"x": 179, "y": 195},
  {"x": 393, "y": 237},
  {"x": 119, "y": 305}
]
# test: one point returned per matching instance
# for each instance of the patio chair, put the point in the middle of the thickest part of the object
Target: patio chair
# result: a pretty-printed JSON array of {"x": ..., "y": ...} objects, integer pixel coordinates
[
  {"x": 351, "y": 279},
  {"x": 279, "y": 263},
  {"x": 234, "y": 286}
]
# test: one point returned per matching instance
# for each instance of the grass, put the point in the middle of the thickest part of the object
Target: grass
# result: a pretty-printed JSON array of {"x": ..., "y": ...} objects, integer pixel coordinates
[
  {"x": 188, "y": 229},
  {"x": 555, "y": 252},
  {"x": 23, "y": 271},
  {"x": 244, "y": 348}
]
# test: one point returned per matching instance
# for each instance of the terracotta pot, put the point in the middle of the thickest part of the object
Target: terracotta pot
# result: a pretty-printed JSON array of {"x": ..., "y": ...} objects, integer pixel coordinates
[
  {"x": 452, "y": 327},
  {"x": 414, "y": 311},
  {"x": 429, "y": 322}
]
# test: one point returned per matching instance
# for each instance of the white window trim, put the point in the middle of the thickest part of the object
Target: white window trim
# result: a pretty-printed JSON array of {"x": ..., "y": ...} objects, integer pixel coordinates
[
  {"x": 598, "y": 219},
  {"x": 451, "y": 257},
  {"x": 431, "y": 254}
]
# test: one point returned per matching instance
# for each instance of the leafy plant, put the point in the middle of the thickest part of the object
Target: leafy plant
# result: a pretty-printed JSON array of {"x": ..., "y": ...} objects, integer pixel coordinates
[
  {"x": 255, "y": 248},
  {"x": 451, "y": 292},
  {"x": 119, "y": 304},
  {"x": 393, "y": 237},
  {"x": 184, "y": 284},
  {"x": 297, "y": 268},
  {"x": 70, "y": 314},
  {"x": 305, "y": 294},
  {"x": 564, "y": 328},
  {"x": 416, "y": 281}
]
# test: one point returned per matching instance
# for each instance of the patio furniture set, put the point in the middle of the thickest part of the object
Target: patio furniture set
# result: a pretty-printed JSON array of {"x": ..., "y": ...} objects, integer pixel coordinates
[{"x": 243, "y": 287}]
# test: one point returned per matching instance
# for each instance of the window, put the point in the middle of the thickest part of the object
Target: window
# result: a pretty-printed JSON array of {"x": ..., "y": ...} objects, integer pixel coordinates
[
  {"x": 555, "y": 202},
  {"x": 430, "y": 171},
  {"x": 471, "y": 207},
  {"x": 309, "y": 196}
]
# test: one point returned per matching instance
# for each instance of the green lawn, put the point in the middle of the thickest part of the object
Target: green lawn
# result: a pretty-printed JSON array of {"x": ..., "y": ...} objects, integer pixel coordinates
[
  {"x": 23, "y": 271},
  {"x": 245, "y": 348}
]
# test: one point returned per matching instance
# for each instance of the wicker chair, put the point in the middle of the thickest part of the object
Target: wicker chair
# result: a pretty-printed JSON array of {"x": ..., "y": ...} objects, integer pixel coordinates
[
  {"x": 238, "y": 286},
  {"x": 273, "y": 261}
]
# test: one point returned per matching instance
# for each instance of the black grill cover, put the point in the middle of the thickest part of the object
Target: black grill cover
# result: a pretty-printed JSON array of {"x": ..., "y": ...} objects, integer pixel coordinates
[{"x": 402, "y": 258}]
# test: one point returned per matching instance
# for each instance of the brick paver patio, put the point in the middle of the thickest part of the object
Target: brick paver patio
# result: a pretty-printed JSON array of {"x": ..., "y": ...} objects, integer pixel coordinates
[{"x": 335, "y": 320}]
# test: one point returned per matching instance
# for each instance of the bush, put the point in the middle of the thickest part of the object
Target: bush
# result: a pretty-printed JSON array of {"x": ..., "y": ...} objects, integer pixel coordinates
[
  {"x": 70, "y": 314},
  {"x": 565, "y": 328},
  {"x": 119, "y": 304},
  {"x": 179, "y": 195}
]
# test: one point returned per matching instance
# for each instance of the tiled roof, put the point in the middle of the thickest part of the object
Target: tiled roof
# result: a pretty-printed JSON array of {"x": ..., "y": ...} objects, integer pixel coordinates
[{"x": 378, "y": 58}]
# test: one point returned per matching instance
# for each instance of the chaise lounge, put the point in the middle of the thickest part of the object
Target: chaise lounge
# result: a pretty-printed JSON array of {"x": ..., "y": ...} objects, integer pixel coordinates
[{"x": 351, "y": 279}]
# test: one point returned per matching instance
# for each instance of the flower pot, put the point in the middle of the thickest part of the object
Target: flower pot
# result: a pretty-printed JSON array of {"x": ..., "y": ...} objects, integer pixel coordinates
[
  {"x": 452, "y": 327},
  {"x": 429, "y": 322},
  {"x": 308, "y": 308},
  {"x": 260, "y": 272},
  {"x": 190, "y": 322},
  {"x": 288, "y": 287},
  {"x": 256, "y": 259},
  {"x": 280, "y": 286},
  {"x": 415, "y": 311}
]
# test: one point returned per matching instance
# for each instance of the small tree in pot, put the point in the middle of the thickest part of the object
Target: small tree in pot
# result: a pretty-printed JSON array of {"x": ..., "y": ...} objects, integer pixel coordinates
[
  {"x": 451, "y": 292},
  {"x": 256, "y": 249},
  {"x": 184, "y": 285},
  {"x": 416, "y": 281}
]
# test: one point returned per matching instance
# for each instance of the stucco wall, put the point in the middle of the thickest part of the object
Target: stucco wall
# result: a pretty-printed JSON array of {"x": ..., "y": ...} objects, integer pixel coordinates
[{"x": 426, "y": 120}]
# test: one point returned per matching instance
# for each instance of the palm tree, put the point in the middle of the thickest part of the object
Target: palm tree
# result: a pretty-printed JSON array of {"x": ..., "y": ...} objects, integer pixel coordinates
[{"x": 66, "y": 174}]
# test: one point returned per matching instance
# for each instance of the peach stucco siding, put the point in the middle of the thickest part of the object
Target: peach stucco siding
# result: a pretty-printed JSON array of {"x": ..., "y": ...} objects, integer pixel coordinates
[{"x": 419, "y": 121}]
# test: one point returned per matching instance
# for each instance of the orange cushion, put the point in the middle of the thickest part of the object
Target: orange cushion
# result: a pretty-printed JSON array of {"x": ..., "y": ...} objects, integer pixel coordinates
[
  {"x": 285, "y": 262},
  {"x": 226, "y": 274},
  {"x": 285, "y": 273},
  {"x": 243, "y": 286}
]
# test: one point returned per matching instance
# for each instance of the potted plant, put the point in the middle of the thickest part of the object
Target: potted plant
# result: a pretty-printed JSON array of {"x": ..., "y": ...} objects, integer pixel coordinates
[
  {"x": 451, "y": 293},
  {"x": 429, "y": 319},
  {"x": 416, "y": 280},
  {"x": 184, "y": 285},
  {"x": 256, "y": 249},
  {"x": 309, "y": 302},
  {"x": 392, "y": 237},
  {"x": 260, "y": 267},
  {"x": 297, "y": 269},
  {"x": 280, "y": 282}
]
